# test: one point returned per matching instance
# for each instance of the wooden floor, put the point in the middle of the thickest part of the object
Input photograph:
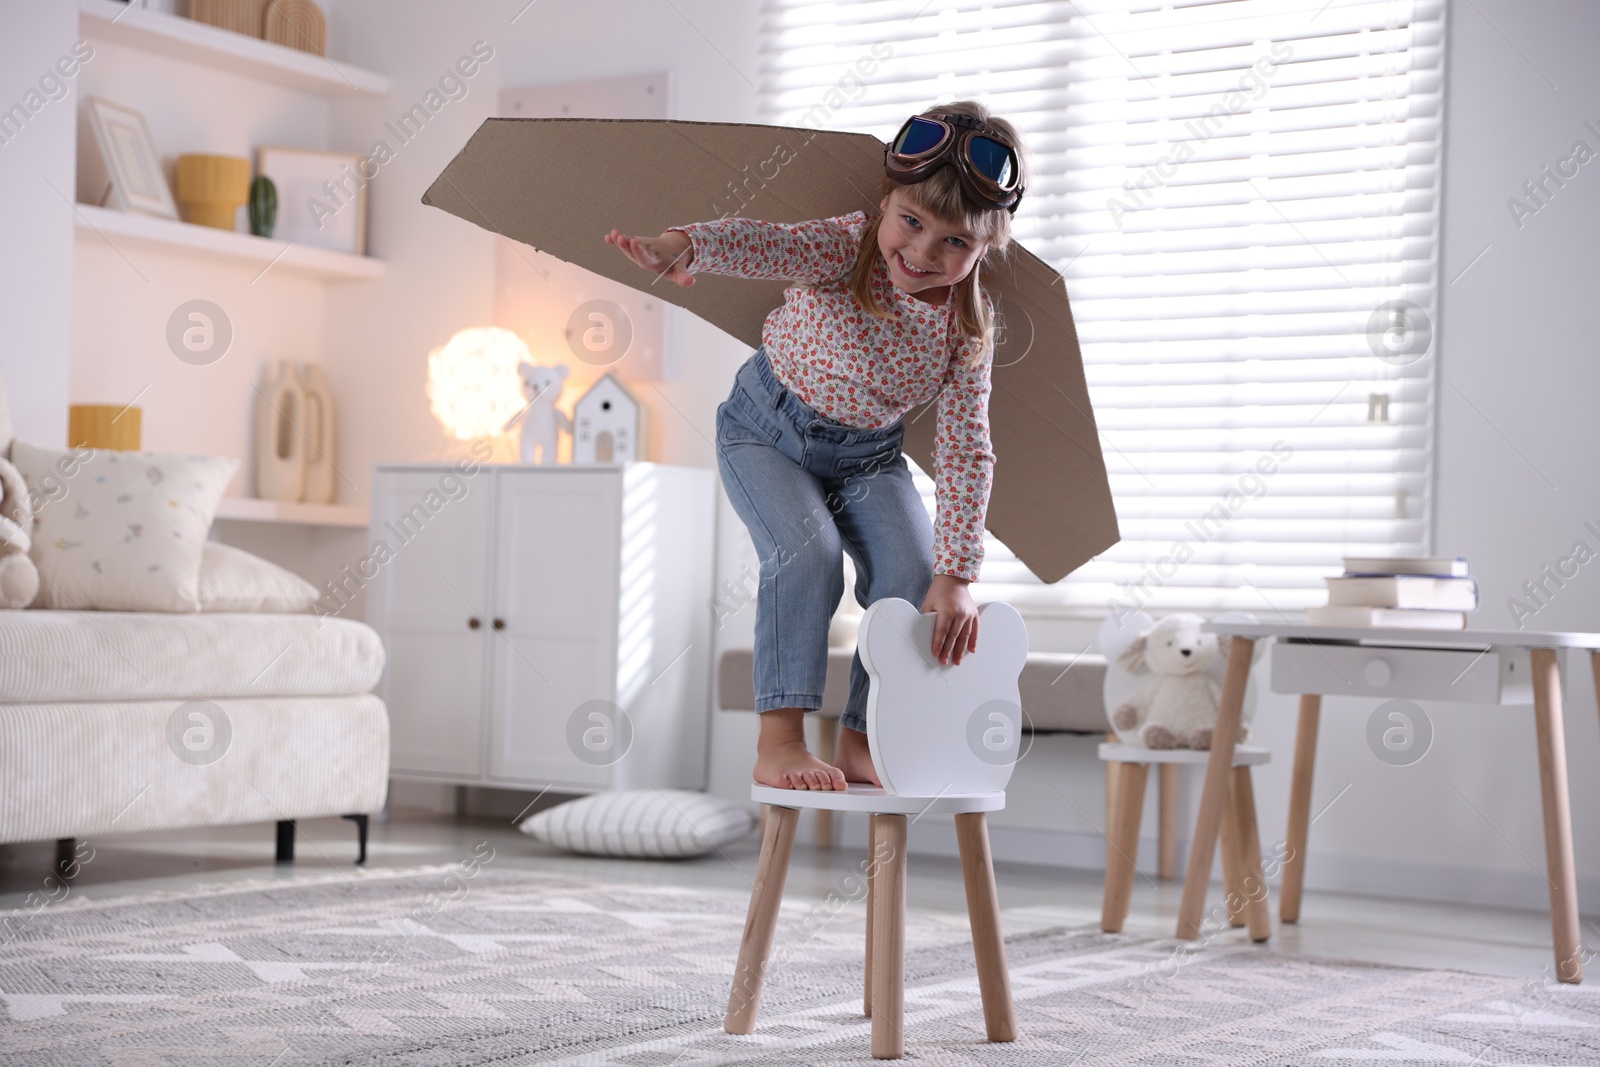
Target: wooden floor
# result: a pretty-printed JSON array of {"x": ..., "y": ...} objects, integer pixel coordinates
[{"x": 1339, "y": 926}]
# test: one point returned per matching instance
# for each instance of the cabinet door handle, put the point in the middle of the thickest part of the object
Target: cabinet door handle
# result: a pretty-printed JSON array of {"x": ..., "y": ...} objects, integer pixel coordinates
[
  {"x": 474, "y": 622},
  {"x": 499, "y": 624}
]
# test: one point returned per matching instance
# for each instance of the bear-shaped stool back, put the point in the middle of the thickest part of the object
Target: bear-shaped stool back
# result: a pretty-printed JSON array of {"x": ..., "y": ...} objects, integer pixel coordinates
[{"x": 942, "y": 729}]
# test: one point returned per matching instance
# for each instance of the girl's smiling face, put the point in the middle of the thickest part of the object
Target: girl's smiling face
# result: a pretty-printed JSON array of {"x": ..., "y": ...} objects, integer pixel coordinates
[{"x": 923, "y": 252}]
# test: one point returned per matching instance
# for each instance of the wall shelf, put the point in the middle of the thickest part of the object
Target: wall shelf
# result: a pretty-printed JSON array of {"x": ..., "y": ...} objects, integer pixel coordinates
[
  {"x": 116, "y": 227},
  {"x": 249, "y": 509},
  {"x": 162, "y": 34}
]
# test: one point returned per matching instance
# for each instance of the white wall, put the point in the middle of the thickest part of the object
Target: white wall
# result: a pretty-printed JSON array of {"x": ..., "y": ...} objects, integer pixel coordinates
[{"x": 36, "y": 185}]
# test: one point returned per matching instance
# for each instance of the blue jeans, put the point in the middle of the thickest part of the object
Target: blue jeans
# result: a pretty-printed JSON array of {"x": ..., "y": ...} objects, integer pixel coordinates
[{"x": 809, "y": 488}]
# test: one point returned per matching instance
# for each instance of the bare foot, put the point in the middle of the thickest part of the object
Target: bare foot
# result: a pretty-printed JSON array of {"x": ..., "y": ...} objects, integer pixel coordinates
[
  {"x": 855, "y": 758},
  {"x": 789, "y": 765}
]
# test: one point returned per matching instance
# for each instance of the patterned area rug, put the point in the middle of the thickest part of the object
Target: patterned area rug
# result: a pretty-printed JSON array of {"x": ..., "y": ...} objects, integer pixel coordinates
[{"x": 476, "y": 965}]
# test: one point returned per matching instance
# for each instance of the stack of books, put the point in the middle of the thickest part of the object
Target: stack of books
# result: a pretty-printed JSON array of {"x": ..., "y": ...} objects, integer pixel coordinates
[{"x": 1425, "y": 593}]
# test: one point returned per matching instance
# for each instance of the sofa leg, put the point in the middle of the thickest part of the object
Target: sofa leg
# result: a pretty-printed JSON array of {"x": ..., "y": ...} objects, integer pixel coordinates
[
  {"x": 361, "y": 835},
  {"x": 286, "y": 841},
  {"x": 66, "y": 850}
]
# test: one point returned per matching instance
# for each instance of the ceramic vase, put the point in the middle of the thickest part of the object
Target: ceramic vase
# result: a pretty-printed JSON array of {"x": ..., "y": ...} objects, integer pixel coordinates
[
  {"x": 280, "y": 445},
  {"x": 318, "y": 426}
]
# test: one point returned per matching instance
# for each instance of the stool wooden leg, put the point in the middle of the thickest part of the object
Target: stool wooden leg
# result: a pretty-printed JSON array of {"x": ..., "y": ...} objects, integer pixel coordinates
[
  {"x": 1594, "y": 665},
  {"x": 1232, "y": 874},
  {"x": 1214, "y": 794},
  {"x": 1557, "y": 814},
  {"x": 761, "y": 921},
  {"x": 889, "y": 941},
  {"x": 1305, "y": 760},
  {"x": 872, "y": 877},
  {"x": 1251, "y": 881},
  {"x": 1123, "y": 839},
  {"x": 983, "y": 912},
  {"x": 827, "y": 749},
  {"x": 1167, "y": 828},
  {"x": 1111, "y": 803}
]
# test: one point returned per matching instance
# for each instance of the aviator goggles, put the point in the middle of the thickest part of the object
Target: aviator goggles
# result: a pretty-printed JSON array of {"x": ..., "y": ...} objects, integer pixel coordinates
[{"x": 984, "y": 158}]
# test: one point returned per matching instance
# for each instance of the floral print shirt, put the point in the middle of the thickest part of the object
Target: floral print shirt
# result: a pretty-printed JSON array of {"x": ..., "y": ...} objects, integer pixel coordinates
[{"x": 864, "y": 371}]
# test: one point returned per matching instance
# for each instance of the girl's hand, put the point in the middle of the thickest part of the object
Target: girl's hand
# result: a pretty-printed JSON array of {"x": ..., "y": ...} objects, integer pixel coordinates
[
  {"x": 955, "y": 632},
  {"x": 667, "y": 256}
]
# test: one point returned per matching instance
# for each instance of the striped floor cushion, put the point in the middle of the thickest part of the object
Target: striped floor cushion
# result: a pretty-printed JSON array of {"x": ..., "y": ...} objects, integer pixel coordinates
[{"x": 642, "y": 824}]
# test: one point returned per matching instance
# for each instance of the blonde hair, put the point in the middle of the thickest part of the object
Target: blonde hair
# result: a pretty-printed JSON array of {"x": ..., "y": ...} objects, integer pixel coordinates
[{"x": 940, "y": 195}]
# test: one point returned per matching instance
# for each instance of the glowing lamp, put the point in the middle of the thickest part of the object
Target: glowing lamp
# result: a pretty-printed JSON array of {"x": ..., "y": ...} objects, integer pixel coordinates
[{"x": 473, "y": 385}]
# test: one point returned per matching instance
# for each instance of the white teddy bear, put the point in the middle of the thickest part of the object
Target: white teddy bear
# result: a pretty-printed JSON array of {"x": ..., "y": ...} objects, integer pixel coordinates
[
  {"x": 19, "y": 578},
  {"x": 541, "y": 421},
  {"x": 1176, "y": 705}
]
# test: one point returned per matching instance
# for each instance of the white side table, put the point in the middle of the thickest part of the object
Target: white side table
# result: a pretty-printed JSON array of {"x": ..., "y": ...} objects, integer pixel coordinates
[{"x": 1513, "y": 667}]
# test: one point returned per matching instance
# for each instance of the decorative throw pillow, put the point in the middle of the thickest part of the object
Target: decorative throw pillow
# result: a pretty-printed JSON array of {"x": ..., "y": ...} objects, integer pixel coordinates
[
  {"x": 642, "y": 823},
  {"x": 232, "y": 579},
  {"x": 120, "y": 531}
]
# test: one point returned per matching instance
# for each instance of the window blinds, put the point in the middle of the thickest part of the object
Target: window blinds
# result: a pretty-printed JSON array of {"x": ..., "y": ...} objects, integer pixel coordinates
[{"x": 1243, "y": 199}]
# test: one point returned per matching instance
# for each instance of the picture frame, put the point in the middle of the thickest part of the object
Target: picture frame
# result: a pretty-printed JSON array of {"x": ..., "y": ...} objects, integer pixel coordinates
[
  {"x": 135, "y": 180},
  {"x": 322, "y": 197}
]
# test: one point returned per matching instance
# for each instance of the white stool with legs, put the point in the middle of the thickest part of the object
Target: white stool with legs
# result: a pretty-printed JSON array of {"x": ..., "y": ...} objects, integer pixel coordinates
[
  {"x": 1127, "y": 769},
  {"x": 1240, "y": 840},
  {"x": 944, "y": 739}
]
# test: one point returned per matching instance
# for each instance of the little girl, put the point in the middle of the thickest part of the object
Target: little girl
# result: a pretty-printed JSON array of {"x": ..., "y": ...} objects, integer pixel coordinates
[{"x": 886, "y": 314}]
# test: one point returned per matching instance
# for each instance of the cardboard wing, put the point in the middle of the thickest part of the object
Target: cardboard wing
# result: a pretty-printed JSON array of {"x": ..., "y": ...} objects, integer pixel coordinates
[{"x": 560, "y": 185}]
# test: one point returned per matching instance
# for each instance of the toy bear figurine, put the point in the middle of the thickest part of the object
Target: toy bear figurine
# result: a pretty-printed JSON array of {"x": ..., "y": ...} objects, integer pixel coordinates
[
  {"x": 19, "y": 578},
  {"x": 541, "y": 421},
  {"x": 1176, "y": 705}
]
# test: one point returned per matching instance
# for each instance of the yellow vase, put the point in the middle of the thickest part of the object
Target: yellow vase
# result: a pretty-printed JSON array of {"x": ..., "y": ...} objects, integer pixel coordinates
[{"x": 211, "y": 188}]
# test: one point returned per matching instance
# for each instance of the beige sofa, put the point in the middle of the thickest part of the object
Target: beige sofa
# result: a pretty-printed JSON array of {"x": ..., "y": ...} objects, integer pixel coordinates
[{"x": 115, "y": 722}]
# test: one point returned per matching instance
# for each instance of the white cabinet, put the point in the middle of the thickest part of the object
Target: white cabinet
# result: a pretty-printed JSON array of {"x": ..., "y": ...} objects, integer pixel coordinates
[{"x": 546, "y": 626}]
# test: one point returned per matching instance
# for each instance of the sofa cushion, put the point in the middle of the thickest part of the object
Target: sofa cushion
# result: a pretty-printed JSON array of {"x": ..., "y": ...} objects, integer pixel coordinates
[
  {"x": 120, "y": 531},
  {"x": 111, "y": 655},
  {"x": 1061, "y": 691},
  {"x": 232, "y": 579}
]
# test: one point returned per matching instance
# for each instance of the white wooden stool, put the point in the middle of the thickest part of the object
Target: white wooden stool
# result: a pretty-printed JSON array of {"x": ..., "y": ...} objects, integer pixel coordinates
[
  {"x": 1118, "y": 632},
  {"x": 1240, "y": 839},
  {"x": 944, "y": 740}
]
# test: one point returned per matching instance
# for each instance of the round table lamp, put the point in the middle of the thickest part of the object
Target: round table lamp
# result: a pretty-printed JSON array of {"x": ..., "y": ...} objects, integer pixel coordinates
[{"x": 473, "y": 384}]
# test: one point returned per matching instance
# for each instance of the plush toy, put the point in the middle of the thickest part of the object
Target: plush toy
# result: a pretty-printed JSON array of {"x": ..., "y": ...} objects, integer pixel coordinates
[
  {"x": 541, "y": 421},
  {"x": 1176, "y": 705},
  {"x": 19, "y": 578}
]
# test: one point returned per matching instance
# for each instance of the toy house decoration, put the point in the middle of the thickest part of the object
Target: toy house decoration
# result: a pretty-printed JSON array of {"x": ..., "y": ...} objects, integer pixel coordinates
[{"x": 607, "y": 424}]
